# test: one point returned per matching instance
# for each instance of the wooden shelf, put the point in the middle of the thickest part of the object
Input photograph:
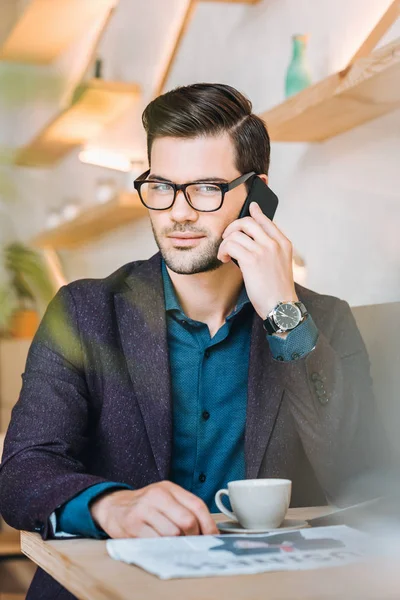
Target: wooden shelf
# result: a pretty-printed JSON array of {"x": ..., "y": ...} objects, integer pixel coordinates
[
  {"x": 369, "y": 88},
  {"x": 95, "y": 105},
  {"x": 47, "y": 27},
  {"x": 93, "y": 222}
]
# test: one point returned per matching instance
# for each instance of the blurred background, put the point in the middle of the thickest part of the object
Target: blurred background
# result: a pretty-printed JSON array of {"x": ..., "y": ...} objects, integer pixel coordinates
[
  {"x": 339, "y": 198},
  {"x": 75, "y": 76}
]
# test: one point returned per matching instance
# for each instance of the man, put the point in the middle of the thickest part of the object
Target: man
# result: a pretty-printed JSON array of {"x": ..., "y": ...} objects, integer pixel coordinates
[{"x": 147, "y": 391}]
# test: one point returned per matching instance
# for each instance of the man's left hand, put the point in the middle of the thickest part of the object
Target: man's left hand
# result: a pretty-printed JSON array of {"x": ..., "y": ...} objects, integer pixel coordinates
[{"x": 264, "y": 255}]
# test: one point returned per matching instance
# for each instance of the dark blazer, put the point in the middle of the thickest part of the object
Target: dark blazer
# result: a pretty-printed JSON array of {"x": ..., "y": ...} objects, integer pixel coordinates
[{"x": 95, "y": 403}]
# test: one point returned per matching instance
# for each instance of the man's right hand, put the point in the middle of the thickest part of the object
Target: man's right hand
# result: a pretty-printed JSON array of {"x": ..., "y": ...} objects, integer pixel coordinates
[{"x": 157, "y": 510}]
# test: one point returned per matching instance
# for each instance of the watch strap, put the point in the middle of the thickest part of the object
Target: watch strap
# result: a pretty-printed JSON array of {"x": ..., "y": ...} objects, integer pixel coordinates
[
  {"x": 303, "y": 310},
  {"x": 269, "y": 326}
]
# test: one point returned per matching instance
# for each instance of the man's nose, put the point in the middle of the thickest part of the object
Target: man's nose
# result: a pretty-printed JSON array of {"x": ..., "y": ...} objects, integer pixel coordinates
[{"x": 181, "y": 210}]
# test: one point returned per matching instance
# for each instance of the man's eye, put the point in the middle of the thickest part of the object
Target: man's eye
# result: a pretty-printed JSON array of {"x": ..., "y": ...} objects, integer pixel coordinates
[
  {"x": 160, "y": 187},
  {"x": 207, "y": 189}
]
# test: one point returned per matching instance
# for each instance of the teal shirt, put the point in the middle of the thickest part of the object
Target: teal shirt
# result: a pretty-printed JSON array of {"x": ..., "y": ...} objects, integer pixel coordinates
[
  {"x": 209, "y": 391},
  {"x": 209, "y": 397}
]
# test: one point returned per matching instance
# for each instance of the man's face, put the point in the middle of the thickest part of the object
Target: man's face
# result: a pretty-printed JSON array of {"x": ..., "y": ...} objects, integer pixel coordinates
[{"x": 182, "y": 161}]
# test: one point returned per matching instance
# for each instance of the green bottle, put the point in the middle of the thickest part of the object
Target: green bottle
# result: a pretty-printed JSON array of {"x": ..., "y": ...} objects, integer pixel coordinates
[{"x": 298, "y": 75}]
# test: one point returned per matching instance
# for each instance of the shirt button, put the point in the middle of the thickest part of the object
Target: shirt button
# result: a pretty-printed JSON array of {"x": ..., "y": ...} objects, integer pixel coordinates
[
  {"x": 295, "y": 356},
  {"x": 279, "y": 357},
  {"x": 206, "y": 415},
  {"x": 207, "y": 353},
  {"x": 202, "y": 477},
  {"x": 315, "y": 377}
]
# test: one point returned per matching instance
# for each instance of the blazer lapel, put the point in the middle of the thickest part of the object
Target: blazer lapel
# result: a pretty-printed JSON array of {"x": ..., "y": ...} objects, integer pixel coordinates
[
  {"x": 141, "y": 319},
  {"x": 264, "y": 396}
]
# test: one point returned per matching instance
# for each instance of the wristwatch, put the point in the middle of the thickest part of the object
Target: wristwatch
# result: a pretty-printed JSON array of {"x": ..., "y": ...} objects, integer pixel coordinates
[{"x": 285, "y": 317}]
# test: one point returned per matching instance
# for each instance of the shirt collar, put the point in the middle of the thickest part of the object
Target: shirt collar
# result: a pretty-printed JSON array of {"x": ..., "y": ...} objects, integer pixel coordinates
[{"x": 172, "y": 302}]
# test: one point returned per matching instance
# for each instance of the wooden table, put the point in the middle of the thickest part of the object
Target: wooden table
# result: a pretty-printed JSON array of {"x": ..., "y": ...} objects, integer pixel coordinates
[{"x": 84, "y": 567}]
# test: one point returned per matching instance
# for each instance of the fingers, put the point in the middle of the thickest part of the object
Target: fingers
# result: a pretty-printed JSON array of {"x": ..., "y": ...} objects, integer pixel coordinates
[
  {"x": 259, "y": 227},
  {"x": 145, "y": 531},
  {"x": 198, "y": 508},
  {"x": 240, "y": 238},
  {"x": 187, "y": 513},
  {"x": 160, "y": 509},
  {"x": 247, "y": 225},
  {"x": 122, "y": 533},
  {"x": 232, "y": 249},
  {"x": 181, "y": 517},
  {"x": 161, "y": 524},
  {"x": 268, "y": 226}
]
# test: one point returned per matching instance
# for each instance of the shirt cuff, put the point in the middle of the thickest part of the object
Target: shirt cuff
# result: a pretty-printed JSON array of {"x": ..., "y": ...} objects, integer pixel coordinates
[
  {"x": 74, "y": 517},
  {"x": 299, "y": 342}
]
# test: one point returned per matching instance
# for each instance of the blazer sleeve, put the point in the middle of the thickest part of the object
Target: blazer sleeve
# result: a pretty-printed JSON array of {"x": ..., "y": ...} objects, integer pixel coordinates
[
  {"x": 332, "y": 402},
  {"x": 48, "y": 431}
]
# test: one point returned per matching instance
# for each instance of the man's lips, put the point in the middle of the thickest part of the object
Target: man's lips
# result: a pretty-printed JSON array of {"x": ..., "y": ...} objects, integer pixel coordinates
[
  {"x": 185, "y": 239},
  {"x": 186, "y": 236}
]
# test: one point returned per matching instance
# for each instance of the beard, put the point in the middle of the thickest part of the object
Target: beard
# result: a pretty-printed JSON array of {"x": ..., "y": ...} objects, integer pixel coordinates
[{"x": 189, "y": 261}]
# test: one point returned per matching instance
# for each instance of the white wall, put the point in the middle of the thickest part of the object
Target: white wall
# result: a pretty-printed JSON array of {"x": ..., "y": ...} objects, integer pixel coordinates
[{"x": 339, "y": 199}]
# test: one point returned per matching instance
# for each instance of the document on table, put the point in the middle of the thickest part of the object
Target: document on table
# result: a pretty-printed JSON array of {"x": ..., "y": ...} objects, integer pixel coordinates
[{"x": 205, "y": 556}]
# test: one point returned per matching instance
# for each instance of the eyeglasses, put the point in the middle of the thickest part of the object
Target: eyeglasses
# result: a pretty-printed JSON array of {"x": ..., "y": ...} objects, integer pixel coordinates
[{"x": 203, "y": 196}]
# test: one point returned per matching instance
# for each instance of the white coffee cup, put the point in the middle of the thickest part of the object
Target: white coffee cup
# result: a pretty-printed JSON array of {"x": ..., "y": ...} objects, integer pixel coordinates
[{"x": 257, "y": 503}]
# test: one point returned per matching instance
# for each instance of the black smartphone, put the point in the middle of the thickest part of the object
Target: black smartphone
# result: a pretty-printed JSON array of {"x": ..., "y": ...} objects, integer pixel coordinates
[
  {"x": 265, "y": 198},
  {"x": 263, "y": 195}
]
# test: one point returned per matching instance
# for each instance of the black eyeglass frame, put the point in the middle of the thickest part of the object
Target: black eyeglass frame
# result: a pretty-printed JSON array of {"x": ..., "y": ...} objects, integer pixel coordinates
[{"x": 224, "y": 187}]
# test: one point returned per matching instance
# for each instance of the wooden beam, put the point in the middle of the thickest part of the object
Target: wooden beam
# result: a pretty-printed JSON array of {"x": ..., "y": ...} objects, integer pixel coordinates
[
  {"x": 180, "y": 33},
  {"x": 175, "y": 45},
  {"x": 95, "y": 105},
  {"x": 370, "y": 89},
  {"x": 47, "y": 27},
  {"x": 87, "y": 57},
  {"x": 385, "y": 22}
]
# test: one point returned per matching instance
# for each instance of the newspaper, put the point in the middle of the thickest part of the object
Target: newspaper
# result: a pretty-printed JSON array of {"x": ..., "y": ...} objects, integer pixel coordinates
[{"x": 205, "y": 556}]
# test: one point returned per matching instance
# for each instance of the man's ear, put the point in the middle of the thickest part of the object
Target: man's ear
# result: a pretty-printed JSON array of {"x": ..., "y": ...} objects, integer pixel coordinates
[{"x": 264, "y": 177}]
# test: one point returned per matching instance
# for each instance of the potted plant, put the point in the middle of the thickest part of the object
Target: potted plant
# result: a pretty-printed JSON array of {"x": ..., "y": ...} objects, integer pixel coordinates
[{"x": 28, "y": 293}]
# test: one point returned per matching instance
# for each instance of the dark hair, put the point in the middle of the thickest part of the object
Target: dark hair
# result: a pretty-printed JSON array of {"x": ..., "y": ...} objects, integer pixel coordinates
[{"x": 210, "y": 109}]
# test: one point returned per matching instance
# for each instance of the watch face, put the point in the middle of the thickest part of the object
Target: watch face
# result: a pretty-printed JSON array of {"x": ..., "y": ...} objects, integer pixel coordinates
[{"x": 287, "y": 316}]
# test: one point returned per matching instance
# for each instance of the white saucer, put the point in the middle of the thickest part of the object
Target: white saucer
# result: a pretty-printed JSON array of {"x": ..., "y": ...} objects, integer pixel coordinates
[{"x": 235, "y": 527}]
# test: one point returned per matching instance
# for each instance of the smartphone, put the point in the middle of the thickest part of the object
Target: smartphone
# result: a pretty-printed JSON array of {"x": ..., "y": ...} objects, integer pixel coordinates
[
  {"x": 265, "y": 198},
  {"x": 263, "y": 195}
]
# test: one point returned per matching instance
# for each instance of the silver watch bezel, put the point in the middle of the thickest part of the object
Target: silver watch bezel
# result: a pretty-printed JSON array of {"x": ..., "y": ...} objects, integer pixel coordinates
[{"x": 273, "y": 316}]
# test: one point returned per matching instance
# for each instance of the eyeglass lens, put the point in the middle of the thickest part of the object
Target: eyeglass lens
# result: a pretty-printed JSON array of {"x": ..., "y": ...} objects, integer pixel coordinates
[{"x": 203, "y": 196}]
